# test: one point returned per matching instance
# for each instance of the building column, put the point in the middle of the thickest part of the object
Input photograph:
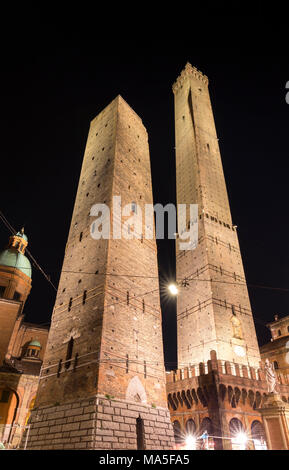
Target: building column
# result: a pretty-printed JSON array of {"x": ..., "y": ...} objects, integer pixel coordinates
[{"x": 275, "y": 415}]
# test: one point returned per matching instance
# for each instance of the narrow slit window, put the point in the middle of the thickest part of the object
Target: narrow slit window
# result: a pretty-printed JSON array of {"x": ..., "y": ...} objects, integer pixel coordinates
[
  {"x": 59, "y": 368},
  {"x": 84, "y": 297},
  {"x": 70, "y": 304},
  {"x": 80, "y": 236},
  {"x": 69, "y": 353},
  {"x": 127, "y": 298}
]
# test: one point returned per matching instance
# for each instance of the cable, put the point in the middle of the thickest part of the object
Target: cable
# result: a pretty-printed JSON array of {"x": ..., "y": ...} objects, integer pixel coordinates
[
  {"x": 13, "y": 231},
  {"x": 285, "y": 289}
]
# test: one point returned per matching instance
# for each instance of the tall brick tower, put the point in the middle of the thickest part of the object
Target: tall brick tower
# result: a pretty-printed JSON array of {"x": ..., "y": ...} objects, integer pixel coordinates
[
  {"x": 214, "y": 310},
  {"x": 102, "y": 384}
]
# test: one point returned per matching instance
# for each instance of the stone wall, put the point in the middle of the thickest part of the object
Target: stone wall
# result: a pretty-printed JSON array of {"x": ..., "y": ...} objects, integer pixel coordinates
[{"x": 99, "y": 423}]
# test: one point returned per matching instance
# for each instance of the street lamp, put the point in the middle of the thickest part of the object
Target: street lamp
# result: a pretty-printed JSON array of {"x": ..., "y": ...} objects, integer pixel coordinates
[
  {"x": 173, "y": 289},
  {"x": 190, "y": 442},
  {"x": 242, "y": 440}
]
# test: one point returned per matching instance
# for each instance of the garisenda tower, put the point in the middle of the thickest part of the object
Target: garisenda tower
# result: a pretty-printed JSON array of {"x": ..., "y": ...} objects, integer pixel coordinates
[{"x": 102, "y": 384}]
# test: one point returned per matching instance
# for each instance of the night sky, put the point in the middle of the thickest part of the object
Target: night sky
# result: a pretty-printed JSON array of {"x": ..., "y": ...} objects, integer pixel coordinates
[{"x": 49, "y": 97}]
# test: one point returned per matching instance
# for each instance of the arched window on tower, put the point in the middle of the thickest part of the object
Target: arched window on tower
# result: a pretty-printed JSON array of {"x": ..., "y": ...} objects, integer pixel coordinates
[
  {"x": 69, "y": 353},
  {"x": 276, "y": 365}
]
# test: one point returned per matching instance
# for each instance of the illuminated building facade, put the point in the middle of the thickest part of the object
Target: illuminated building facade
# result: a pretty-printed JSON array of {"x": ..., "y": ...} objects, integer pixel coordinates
[{"x": 22, "y": 344}]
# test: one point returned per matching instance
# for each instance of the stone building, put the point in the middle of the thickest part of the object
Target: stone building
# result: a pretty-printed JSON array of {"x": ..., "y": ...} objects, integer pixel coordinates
[
  {"x": 277, "y": 351},
  {"x": 102, "y": 384},
  {"x": 219, "y": 384},
  {"x": 22, "y": 344}
]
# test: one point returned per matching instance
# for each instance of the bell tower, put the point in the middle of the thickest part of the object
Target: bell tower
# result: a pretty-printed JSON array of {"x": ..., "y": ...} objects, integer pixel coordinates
[
  {"x": 15, "y": 286},
  {"x": 213, "y": 310},
  {"x": 102, "y": 384}
]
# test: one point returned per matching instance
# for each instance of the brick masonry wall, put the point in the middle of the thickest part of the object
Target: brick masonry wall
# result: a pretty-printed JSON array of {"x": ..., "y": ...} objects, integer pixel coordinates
[
  {"x": 114, "y": 339},
  {"x": 99, "y": 423}
]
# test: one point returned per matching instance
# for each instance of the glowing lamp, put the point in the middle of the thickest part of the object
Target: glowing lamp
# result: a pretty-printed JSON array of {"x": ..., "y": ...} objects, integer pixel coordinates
[
  {"x": 241, "y": 439},
  {"x": 191, "y": 442},
  {"x": 173, "y": 289}
]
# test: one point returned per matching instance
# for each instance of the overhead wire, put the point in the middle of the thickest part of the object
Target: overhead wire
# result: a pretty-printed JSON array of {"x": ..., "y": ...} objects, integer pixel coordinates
[{"x": 187, "y": 278}]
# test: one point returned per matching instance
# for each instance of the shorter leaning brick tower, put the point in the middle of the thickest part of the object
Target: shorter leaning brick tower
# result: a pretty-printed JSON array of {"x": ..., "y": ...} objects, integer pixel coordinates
[{"x": 102, "y": 384}]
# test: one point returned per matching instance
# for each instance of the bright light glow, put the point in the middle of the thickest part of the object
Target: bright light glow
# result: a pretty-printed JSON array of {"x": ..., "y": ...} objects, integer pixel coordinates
[
  {"x": 191, "y": 442},
  {"x": 173, "y": 289},
  {"x": 241, "y": 439},
  {"x": 240, "y": 351}
]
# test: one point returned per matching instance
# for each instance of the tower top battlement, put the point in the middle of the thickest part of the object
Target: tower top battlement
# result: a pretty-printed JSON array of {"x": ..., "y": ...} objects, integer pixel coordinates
[{"x": 187, "y": 71}]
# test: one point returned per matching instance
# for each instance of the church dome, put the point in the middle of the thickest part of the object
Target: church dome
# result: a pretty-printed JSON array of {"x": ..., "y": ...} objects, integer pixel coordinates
[
  {"x": 15, "y": 259},
  {"x": 34, "y": 343}
]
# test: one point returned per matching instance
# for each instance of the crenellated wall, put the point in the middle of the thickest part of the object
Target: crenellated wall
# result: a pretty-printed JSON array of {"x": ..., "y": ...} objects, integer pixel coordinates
[{"x": 219, "y": 391}]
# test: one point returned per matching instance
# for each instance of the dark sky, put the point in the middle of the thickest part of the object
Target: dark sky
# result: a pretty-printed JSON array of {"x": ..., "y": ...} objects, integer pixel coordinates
[{"x": 50, "y": 95}]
